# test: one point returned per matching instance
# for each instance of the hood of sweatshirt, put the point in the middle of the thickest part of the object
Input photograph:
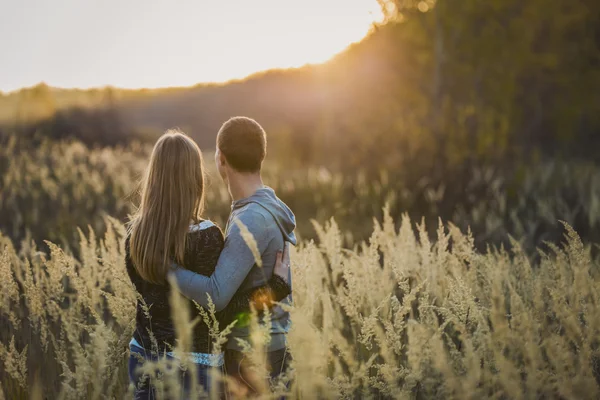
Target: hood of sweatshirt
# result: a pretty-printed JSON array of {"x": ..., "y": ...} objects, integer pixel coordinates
[{"x": 283, "y": 216}]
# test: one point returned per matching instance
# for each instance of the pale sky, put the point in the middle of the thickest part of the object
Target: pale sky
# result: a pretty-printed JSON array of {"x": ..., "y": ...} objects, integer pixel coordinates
[{"x": 158, "y": 43}]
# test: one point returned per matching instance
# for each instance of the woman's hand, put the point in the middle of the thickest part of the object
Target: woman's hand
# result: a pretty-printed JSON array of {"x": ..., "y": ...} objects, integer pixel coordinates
[{"x": 282, "y": 264}]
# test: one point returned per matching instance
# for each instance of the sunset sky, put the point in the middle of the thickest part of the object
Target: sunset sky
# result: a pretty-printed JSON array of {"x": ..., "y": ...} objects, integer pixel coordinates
[{"x": 158, "y": 43}]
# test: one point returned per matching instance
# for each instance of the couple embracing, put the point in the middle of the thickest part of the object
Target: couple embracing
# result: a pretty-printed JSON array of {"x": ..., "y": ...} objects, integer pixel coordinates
[{"x": 168, "y": 238}]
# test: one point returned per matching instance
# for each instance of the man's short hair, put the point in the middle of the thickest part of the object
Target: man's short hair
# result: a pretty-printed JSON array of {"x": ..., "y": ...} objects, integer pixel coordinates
[{"x": 243, "y": 142}]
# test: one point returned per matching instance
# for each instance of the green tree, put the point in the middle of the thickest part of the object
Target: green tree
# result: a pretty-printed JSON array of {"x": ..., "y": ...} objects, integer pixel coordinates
[{"x": 501, "y": 76}]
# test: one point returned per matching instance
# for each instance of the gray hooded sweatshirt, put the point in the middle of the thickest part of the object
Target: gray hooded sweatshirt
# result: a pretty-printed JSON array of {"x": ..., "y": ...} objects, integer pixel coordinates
[{"x": 272, "y": 223}]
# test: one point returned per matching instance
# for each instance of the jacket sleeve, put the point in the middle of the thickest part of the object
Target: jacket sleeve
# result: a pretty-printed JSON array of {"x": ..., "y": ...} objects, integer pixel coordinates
[
  {"x": 275, "y": 290},
  {"x": 235, "y": 262}
]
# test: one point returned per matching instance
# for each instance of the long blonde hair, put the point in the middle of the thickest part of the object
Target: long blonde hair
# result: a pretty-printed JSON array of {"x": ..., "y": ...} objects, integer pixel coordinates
[{"x": 172, "y": 196}]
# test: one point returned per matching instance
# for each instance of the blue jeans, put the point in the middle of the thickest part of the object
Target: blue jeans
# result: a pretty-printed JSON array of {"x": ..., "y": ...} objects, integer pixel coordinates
[{"x": 145, "y": 391}]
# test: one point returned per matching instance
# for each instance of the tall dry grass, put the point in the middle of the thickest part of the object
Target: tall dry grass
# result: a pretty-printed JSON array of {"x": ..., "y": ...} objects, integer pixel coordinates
[
  {"x": 49, "y": 189},
  {"x": 398, "y": 316}
]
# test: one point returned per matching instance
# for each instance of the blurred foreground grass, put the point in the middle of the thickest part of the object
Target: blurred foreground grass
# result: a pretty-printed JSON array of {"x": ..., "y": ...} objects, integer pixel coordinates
[{"x": 399, "y": 317}]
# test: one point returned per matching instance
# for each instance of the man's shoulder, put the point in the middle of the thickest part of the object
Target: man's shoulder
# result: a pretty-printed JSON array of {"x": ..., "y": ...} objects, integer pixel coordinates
[
  {"x": 254, "y": 217},
  {"x": 251, "y": 212}
]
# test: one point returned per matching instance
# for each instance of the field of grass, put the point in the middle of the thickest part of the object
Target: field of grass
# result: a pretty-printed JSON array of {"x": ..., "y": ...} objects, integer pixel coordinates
[
  {"x": 384, "y": 307},
  {"x": 50, "y": 190}
]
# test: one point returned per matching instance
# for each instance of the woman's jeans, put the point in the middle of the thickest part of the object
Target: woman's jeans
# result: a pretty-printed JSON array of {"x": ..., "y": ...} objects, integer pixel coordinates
[{"x": 144, "y": 390}]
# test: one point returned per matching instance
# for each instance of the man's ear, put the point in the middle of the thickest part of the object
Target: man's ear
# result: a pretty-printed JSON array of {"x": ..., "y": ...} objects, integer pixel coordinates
[{"x": 222, "y": 159}]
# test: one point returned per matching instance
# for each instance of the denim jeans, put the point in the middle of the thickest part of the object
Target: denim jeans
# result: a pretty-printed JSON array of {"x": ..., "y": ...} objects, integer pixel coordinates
[{"x": 145, "y": 391}]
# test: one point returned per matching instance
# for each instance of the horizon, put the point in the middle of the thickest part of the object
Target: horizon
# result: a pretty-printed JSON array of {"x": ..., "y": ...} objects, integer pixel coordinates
[
  {"x": 202, "y": 83},
  {"x": 71, "y": 45}
]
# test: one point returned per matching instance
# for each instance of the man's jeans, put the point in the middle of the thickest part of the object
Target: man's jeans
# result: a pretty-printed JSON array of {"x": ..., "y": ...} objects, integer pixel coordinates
[{"x": 237, "y": 366}]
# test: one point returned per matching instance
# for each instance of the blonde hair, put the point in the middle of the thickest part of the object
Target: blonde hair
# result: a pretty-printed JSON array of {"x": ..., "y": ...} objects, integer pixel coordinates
[{"x": 172, "y": 196}]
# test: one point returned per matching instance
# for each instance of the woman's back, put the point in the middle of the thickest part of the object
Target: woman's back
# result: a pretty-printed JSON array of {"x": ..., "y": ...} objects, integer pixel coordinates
[{"x": 154, "y": 325}]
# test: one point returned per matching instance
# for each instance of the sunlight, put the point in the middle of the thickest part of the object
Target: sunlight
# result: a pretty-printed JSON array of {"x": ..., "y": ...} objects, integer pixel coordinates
[{"x": 132, "y": 44}]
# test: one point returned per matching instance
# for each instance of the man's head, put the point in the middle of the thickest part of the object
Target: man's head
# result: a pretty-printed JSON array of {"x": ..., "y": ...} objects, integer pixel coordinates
[{"x": 241, "y": 147}]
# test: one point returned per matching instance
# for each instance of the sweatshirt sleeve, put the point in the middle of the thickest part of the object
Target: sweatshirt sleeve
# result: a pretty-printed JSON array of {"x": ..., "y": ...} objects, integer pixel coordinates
[
  {"x": 275, "y": 290},
  {"x": 235, "y": 262}
]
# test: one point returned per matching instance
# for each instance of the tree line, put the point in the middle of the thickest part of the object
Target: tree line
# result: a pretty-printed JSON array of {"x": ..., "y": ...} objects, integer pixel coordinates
[{"x": 460, "y": 83}]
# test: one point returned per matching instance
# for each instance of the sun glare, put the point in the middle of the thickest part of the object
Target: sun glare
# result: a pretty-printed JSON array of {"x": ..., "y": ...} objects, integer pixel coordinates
[{"x": 160, "y": 43}]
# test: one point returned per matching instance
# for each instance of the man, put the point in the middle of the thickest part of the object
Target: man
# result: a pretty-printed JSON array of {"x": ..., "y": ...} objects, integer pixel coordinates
[{"x": 241, "y": 149}]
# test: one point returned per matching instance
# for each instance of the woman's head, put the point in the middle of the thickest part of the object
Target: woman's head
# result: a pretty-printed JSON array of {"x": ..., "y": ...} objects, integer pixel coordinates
[{"x": 172, "y": 195}]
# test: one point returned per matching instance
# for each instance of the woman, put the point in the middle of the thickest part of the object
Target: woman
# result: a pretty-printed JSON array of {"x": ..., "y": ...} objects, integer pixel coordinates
[{"x": 167, "y": 226}]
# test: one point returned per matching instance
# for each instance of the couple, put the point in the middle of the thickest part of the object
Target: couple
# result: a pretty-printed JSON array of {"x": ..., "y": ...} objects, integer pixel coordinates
[{"x": 167, "y": 238}]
